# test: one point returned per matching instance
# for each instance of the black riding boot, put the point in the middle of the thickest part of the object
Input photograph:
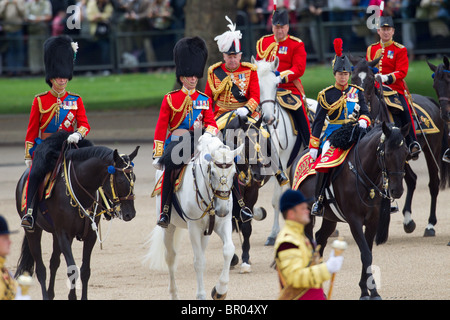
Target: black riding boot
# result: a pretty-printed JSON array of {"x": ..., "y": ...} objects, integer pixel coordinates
[
  {"x": 278, "y": 169},
  {"x": 166, "y": 201},
  {"x": 30, "y": 217},
  {"x": 317, "y": 207}
]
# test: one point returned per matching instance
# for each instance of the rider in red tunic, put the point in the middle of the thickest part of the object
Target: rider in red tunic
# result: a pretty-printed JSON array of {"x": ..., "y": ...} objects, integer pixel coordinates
[
  {"x": 393, "y": 68},
  {"x": 182, "y": 111},
  {"x": 52, "y": 111}
]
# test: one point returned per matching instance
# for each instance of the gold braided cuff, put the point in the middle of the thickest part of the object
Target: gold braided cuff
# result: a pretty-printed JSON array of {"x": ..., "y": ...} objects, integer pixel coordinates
[
  {"x": 158, "y": 149},
  {"x": 251, "y": 105},
  {"x": 364, "y": 117},
  {"x": 211, "y": 129},
  {"x": 83, "y": 131},
  {"x": 314, "y": 142},
  {"x": 28, "y": 146}
]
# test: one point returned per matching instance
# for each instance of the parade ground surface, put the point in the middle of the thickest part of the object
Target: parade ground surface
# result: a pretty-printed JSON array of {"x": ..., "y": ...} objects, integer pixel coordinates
[{"x": 408, "y": 266}]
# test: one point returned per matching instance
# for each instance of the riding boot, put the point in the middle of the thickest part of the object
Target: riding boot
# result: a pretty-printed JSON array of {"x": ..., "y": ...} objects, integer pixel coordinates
[
  {"x": 446, "y": 156},
  {"x": 30, "y": 217},
  {"x": 317, "y": 207},
  {"x": 166, "y": 201},
  {"x": 246, "y": 213}
]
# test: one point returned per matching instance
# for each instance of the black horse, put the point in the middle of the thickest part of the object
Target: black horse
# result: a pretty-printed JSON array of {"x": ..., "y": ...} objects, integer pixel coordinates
[
  {"x": 433, "y": 145},
  {"x": 362, "y": 194},
  {"x": 250, "y": 178},
  {"x": 93, "y": 180},
  {"x": 441, "y": 83}
]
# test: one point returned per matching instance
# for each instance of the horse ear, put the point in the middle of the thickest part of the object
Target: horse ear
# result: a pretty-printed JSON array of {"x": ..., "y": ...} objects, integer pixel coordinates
[
  {"x": 253, "y": 60},
  {"x": 353, "y": 60},
  {"x": 432, "y": 66},
  {"x": 405, "y": 129},
  {"x": 386, "y": 130},
  {"x": 134, "y": 153},
  {"x": 238, "y": 150},
  {"x": 116, "y": 156},
  {"x": 275, "y": 64},
  {"x": 373, "y": 63},
  {"x": 446, "y": 63}
]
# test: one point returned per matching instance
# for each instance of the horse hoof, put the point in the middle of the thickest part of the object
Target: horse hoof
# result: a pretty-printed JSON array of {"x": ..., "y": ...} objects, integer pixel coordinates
[
  {"x": 234, "y": 260},
  {"x": 218, "y": 296},
  {"x": 429, "y": 232},
  {"x": 409, "y": 227},
  {"x": 270, "y": 241},
  {"x": 375, "y": 298},
  {"x": 245, "y": 268},
  {"x": 260, "y": 214},
  {"x": 364, "y": 298}
]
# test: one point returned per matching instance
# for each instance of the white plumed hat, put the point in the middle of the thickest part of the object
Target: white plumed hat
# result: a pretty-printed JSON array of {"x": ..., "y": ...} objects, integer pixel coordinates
[{"x": 229, "y": 41}]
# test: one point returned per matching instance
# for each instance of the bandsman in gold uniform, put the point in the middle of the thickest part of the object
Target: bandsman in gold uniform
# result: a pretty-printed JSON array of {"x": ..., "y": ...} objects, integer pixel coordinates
[{"x": 300, "y": 271}]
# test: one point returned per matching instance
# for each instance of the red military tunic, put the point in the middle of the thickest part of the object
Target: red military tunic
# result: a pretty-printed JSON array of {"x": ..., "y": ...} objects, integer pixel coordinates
[
  {"x": 394, "y": 63},
  {"x": 48, "y": 115},
  {"x": 180, "y": 109},
  {"x": 232, "y": 89},
  {"x": 292, "y": 56}
]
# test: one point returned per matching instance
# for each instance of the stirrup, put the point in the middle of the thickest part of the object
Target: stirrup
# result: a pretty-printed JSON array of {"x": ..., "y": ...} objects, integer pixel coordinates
[
  {"x": 164, "y": 218},
  {"x": 414, "y": 150},
  {"x": 317, "y": 208},
  {"x": 28, "y": 220},
  {"x": 446, "y": 156},
  {"x": 246, "y": 214}
]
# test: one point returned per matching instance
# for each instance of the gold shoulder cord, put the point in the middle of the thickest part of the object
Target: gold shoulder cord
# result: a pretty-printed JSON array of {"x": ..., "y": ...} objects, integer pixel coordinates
[
  {"x": 338, "y": 105},
  {"x": 185, "y": 107},
  {"x": 54, "y": 108}
]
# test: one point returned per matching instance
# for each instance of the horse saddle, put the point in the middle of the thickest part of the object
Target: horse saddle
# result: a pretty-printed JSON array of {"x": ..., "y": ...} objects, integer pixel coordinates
[
  {"x": 178, "y": 177},
  {"x": 425, "y": 124},
  {"x": 44, "y": 190}
]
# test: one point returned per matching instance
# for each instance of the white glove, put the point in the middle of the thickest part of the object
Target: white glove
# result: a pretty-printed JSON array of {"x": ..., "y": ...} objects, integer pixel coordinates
[
  {"x": 278, "y": 80},
  {"x": 362, "y": 123},
  {"x": 333, "y": 263},
  {"x": 242, "y": 112},
  {"x": 157, "y": 165},
  {"x": 313, "y": 153},
  {"x": 382, "y": 77},
  {"x": 28, "y": 162},
  {"x": 74, "y": 137}
]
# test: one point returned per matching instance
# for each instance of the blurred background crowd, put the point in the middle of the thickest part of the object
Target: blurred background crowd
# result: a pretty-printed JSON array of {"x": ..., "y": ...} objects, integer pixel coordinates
[{"x": 138, "y": 35}]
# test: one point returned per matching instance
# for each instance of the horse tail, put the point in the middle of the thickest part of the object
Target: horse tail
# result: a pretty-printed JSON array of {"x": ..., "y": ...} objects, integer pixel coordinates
[
  {"x": 155, "y": 257},
  {"x": 383, "y": 222},
  {"x": 26, "y": 260}
]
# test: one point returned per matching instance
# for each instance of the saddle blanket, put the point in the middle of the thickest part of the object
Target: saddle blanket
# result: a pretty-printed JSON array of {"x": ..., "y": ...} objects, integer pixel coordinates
[
  {"x": 158, "y": 186},
  {"x": 307, "y": 166},
  {"x": 426, "y": 122},
  {"x": 46, "y": 185}
]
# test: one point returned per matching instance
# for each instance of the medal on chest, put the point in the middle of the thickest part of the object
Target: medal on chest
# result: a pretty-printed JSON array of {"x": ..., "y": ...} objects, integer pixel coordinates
[{"x": 240, "y": 82}]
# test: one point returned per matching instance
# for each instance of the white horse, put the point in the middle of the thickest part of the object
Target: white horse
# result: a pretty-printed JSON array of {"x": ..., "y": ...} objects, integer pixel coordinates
[
  {"x": 204, "y": 195},
  {"x": 280, "y": 128}
]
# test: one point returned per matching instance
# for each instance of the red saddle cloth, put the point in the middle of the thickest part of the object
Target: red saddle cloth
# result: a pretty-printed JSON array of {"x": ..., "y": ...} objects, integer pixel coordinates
[{"x": 307, "y": 166}]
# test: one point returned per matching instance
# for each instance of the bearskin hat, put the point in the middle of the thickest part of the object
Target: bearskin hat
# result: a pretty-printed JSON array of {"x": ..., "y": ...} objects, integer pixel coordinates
[
  {"x": 190, "y": 56},
  {"x": 59, "y": 55},
  {"x": 280, "y": 17}
]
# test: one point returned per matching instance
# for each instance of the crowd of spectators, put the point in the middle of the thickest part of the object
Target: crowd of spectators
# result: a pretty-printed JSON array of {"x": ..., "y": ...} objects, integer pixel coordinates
[{"x": 144, "y": 29}]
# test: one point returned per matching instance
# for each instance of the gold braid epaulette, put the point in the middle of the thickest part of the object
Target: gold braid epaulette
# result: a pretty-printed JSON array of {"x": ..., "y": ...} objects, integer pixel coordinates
[
  {"x": 41, "y": 94},
  {"x": 249, "y": 65},
  {"x": 339, "y": 104},
  {"x": 225, "y": 84},
  {"x": 263, "y": 54},
  {"x": 357, "y": 87},
  {"x": 185, "y": 107},
  {"x": 53, "y": 109}
]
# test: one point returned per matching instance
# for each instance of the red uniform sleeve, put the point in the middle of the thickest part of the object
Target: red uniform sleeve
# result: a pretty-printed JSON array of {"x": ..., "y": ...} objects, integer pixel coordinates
[
  {"x": 208, "y": 118},
  {"x": 298, "y": 63},
  {"x": 161, "y": 128},
  {"x": 253, "y": 92},
  {"x": 401, "y": 65},
  {"x": 33, "y": 123},
  {"x": 83, "y": 126}
]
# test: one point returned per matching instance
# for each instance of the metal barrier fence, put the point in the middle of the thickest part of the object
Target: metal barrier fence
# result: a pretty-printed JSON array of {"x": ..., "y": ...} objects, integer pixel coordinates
[{"x": 152, "y": 50}]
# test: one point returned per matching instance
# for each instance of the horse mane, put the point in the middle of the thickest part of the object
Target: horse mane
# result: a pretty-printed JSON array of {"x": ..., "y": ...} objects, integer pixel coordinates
[{"x": 83, "y": 154}]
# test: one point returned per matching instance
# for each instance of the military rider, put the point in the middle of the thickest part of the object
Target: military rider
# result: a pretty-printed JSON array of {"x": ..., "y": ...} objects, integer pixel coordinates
[
  {"x": 181, "y": 112},
  {"x": 338, "y": 104},
  {"x": 52, "y": 111},
  {"x": 393, "y": 68}
]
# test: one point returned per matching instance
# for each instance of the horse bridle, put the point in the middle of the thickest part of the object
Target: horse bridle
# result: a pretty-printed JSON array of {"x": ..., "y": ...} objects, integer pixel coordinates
[{"x": 112, "y": 201}]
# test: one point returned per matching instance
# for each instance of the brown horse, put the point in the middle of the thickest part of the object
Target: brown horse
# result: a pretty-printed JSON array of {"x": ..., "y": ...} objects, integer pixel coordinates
[
  {"x": 433, "y": 145},
  {"x": 73, "y": 211},
  {"x": 361, "y": 195}
]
